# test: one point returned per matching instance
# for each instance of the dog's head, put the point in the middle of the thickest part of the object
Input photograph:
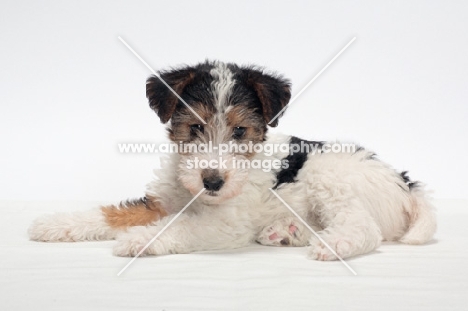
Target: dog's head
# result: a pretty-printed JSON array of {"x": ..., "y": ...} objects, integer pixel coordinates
[{"x": 227, "y": 105}]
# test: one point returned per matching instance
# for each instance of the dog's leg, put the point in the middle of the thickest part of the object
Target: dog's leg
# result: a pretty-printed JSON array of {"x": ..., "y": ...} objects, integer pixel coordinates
[
  {"x": 207, "y": 231},
  {"x": 349, "y": 233},
  {"x": 99, "y": 224},
  {"x": 285, "y": 232}
]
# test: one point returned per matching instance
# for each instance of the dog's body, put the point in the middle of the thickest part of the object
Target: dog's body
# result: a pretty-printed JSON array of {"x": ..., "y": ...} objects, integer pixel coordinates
[{"x": 351, "y": 199}]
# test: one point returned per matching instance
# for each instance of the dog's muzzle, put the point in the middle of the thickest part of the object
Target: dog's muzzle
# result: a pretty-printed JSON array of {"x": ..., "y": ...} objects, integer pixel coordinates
[{"x": 213, "y": 183}]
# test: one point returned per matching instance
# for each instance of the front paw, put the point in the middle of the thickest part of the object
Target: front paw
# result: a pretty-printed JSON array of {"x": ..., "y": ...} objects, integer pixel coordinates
[
  {"x": 54, "y": 228},
  {"x": 136, "y": 241},
  {"x": 320, "y": 251},
  {"x": 284, "y": 232}
]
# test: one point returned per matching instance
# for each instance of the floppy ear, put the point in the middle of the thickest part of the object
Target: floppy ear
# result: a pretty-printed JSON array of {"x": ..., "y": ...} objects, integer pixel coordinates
[
  {"x": 273, "y": 91},
  {"x": 161, "y": 99}
]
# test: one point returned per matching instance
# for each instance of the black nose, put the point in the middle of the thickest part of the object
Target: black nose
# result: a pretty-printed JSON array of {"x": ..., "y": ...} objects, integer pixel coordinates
[{"x": 213, "y": 184}]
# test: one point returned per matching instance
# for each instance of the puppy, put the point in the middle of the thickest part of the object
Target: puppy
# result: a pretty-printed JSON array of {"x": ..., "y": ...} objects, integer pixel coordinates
[{"x": 352, "y": 200}]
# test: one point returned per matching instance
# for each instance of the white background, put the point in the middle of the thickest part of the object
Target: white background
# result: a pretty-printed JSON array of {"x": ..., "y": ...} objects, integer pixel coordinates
[{"x": 70, "y": 91}]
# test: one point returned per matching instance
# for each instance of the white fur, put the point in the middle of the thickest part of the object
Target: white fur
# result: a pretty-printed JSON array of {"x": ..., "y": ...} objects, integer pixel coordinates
[
  {"x": 71, "y": 227},
  {"x": 353, "y": 202},
  {"x": 222, "y": 85}
]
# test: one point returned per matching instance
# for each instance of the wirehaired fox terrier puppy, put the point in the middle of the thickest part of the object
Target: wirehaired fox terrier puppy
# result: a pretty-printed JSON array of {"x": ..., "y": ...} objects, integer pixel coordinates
[{"x": 352, "y": 200}]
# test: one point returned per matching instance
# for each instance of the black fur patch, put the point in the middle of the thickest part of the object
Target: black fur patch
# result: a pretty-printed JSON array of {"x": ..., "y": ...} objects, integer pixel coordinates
[
  {"x": 295, "y": 160},
  {"x": 133, "y": 202},
  {"x": 192, "y": 83},
  {"x": 372, "y": 156},
  {"x": 407, "y": 180},
  {"x": 265, "y": 92},
  {"x": 199, "y": 88},
  {"x": 272, "y": 90}
]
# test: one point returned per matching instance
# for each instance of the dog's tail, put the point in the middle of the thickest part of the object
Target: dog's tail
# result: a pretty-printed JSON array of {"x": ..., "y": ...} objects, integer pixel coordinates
[
  {"x": 102, "y": 223},
  {"x": 422, "y": 224}
]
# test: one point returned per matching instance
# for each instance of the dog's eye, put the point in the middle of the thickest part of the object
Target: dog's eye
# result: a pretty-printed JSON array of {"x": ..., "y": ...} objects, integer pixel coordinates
[
  {"x": 196, "y": 128},
  {"x": 238, "y": 132}
]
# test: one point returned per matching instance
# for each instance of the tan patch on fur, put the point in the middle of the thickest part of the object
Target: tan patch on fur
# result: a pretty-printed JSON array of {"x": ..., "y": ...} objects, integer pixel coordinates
[
  {"x": 236, "y": 116},
  {"x": 269, "y": 107},
  {"x": 133, "y": 214},
  {"x": 184, "y": 118},
  {"x": 255, "y": 126},
  {"x": 241, "y": 116}
]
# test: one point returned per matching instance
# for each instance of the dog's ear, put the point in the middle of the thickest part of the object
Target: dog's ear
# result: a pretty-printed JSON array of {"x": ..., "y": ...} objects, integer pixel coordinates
[
  {"x": 161, "y": 99},
  {"x": 272, "y": 90}
]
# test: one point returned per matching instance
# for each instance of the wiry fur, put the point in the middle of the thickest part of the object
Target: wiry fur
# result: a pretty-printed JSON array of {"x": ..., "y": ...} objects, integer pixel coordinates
[
  {"x": 72, "y": 227},
  {"x": 353, "y": 200}
]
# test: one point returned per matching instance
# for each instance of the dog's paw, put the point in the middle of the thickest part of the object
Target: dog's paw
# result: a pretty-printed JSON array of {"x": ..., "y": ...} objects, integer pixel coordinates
[
  {"x": 319, "y": 251},
  {"x": 284, "y": 232},
  {"x": 136, "y": 241},
  {"x": 71, "y": 227},
  {"x": 50, "y": 229}
]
